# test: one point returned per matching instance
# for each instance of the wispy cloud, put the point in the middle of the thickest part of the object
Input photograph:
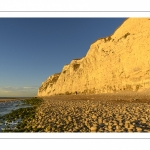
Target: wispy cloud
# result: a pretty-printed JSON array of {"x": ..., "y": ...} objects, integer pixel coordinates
[
  {"x": 6, "y": 91},
  {"x": 18, "y": 91},
  {"x": 30, "y": 87}
]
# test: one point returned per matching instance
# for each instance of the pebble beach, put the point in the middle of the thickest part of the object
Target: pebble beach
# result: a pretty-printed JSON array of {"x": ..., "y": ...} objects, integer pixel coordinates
[{"x": 92, "y": 113}]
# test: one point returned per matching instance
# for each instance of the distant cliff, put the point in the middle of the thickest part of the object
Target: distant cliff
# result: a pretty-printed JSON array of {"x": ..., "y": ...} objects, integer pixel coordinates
[{"x": 120, "y": 62}]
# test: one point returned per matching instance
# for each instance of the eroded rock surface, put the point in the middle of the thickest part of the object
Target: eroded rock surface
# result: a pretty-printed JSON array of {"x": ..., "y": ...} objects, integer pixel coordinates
[{"x": 120, "y": 62}]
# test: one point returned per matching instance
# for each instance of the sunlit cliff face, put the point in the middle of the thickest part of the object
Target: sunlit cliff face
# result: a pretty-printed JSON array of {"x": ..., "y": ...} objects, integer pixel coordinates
[{"x": 119, "y": 62}]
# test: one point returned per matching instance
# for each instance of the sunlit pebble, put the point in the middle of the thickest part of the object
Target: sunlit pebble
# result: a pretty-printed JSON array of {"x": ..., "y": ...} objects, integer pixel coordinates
[
  {"x": 93, "y": 128},
  {"x": 139, "y": 129},
  {"x": 131, "y": 126},
  {"x": 100, "y": 120},
  {"x": 126, "y": 113},
  {"x": 143, "y": 120}
]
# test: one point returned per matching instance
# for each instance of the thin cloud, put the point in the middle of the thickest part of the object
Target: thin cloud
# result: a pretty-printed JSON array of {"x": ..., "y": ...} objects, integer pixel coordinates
[
  {"x": 27, "y": 87},
  {"x": 30, "y": 87},
  {"x": 18, "y": 91},
  {"x": 6, "y": 91}
]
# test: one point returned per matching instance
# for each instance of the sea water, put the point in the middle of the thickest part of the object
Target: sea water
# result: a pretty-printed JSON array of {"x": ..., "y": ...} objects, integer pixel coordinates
[{"x": 6, "y": 107}]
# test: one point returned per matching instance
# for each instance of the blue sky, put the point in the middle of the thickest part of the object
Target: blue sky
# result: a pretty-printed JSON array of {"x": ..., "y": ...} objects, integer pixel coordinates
[{"x": 31, "y": 49}]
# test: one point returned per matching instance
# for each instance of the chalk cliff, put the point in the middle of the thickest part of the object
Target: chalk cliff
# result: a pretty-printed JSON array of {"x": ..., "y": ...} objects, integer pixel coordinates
[{"x": 120, "y": 62}]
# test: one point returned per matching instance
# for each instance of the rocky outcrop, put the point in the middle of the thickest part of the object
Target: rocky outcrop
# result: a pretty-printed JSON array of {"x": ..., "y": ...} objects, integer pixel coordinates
[
  {"x": 49, "y": 83},
  {"x": 120, "y": 62}
]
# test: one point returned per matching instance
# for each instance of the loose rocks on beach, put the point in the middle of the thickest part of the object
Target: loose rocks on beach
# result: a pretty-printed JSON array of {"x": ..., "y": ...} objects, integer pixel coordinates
[{"x": 66, "y": 114}]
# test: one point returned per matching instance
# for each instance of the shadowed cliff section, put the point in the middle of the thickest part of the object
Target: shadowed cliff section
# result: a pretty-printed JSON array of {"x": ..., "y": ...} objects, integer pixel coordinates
[{"x": 116, "y": 63}]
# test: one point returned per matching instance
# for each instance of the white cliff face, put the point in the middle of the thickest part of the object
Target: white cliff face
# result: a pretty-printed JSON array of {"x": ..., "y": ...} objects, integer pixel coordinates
[
  {"x": 120, "y": 62},
  {"x": 48, "y": 84}
]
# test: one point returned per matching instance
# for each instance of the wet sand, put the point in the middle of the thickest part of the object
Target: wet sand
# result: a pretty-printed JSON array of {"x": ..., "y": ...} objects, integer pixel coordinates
[{"x": 8, "y": 100}]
